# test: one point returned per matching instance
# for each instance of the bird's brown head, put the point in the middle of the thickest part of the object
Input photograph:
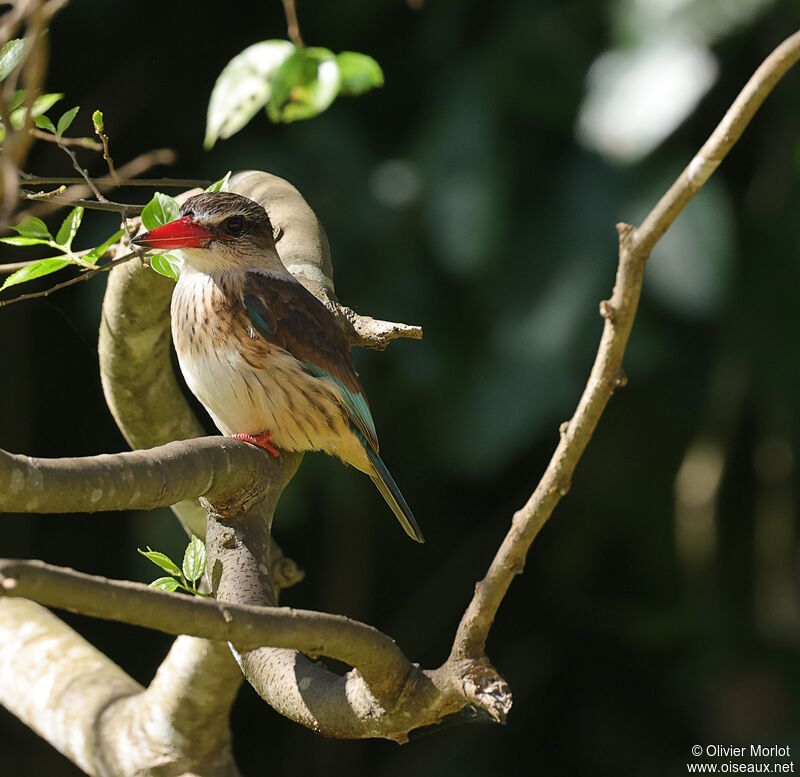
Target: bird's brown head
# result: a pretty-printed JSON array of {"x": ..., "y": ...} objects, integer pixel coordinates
[{"x": 216, "y": 230}]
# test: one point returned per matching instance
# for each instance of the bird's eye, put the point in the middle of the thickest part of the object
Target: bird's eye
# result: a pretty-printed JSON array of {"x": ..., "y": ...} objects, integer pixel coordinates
[{"x": 235, "y": 226}]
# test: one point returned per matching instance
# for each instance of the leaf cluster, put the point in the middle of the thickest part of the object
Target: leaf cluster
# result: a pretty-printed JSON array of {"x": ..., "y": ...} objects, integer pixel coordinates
[
  {"x": 289, "y": 82},
  {"x": 184, "y": 577}
]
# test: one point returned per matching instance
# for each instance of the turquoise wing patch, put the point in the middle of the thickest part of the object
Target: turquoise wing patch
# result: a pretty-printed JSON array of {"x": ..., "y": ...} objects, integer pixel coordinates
[{"x": 355, "y": 404}]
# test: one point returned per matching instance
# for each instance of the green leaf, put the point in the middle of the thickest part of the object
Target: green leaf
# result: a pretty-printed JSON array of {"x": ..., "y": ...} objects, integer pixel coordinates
[
  {"x": 165, "y": 584},
  {"x": 98, "y": 251},
  {"x": 221, "y": 185},
  {"x": 359, "y": 72},
  {"x": 33, "y": 227},
  {"x": 36, "y": 270},
  {"x": 42, "y": 122},
  {"x": 17, "y": 99},
  {"x": 10, "y": 55},
  {"x": 66, "y": 120},
  {"x": 97, "y": 121},
  {"x": 40, "y": 105},
  {"x": 243, "y": 88},
  {"x": 45, "y": 102},
  {"x": 160, "y": 210},
  {"x": 167, "y": 265},
  {"x": 304, "y": 86},
  {"x": 24, "y": 241},
  {"x": 160, "y": 560},
  {"x": 194, "y": 560},
  {"x": 66, "y": 234}
]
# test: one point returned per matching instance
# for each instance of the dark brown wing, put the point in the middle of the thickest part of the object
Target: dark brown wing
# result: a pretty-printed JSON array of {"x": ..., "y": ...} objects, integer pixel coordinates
[{"x": 289, "y": 316}]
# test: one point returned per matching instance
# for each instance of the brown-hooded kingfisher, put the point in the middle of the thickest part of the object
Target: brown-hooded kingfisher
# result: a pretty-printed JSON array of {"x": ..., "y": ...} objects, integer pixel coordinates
[{"x": 262, "y": 354}]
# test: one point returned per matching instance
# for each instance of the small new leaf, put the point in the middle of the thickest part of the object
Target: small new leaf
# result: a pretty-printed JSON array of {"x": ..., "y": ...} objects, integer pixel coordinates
[
  {"x": 221, "y": 185},
  {"x": 66, "y": 120},
  {"x": 194, "y": 560},
  {"x": 160, "y": 210},
  {"x": 100, "y": 250},
  {"x": 10, "y": 55},
  {"x": 36, "y": 270},
  {"x": 359, "y": 72},
  {"x": 161, "y": 560},
  {"x": 165, "y": 584},
  {"x": 167, "y": 265},
  {"x": 43, "y": 123},
  {"x": 97, "y": 121},
  {"x": 69, "y": 227}
]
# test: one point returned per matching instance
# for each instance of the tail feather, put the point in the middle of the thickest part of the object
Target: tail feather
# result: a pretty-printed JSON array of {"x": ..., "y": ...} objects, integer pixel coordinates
[{"x": 384, "y": 482}]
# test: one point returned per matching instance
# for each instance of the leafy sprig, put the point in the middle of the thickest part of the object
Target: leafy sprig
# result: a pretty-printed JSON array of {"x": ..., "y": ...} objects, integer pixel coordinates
[
  {"x": 32, "y": 231},
  {"x": 184, "y": 577}
]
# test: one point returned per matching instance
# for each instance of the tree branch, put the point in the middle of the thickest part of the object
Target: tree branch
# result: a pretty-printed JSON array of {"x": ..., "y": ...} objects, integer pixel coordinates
[
  {"x": 635, "y": 246},
  {"x": 245, "y": 626},
  {"x": 136, "y": 480},
  {"x": 98, "y": 716}
]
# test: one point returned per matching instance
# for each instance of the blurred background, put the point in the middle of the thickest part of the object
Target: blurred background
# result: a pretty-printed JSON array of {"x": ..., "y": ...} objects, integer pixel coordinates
[{"x": 476, "y": 194}]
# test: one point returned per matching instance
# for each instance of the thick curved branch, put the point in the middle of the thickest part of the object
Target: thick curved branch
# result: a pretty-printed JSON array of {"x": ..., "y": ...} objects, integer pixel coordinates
[
  {"x": 245, "y": 626},
  {"x": 635, "y": 246},
  {"x": 227, "y": 471}
]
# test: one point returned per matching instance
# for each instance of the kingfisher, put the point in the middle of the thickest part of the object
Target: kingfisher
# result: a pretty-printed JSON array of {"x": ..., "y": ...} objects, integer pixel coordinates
[{"x": 262, "y": 354}]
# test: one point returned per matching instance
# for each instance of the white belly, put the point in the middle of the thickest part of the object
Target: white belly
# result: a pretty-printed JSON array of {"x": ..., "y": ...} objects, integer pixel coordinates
[{"x": 278, "y": 396}]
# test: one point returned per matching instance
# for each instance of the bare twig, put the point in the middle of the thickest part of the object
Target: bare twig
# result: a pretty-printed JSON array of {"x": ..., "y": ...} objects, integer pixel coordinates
[
  {"x": 80, "y": 170},
  {"x": 106, "y": 181},
  {"x": 292, "y": 24},
  {"x": 138, "y": 165},
  {"x": 61, "y": 198},
  {"x": 635, "y": 246},
  {"x": 43, "y": 195},
  {"x": 92, "y": 145}
]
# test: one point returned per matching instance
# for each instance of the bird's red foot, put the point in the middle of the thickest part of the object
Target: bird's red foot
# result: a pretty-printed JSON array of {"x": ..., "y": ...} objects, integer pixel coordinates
[{"x": 261, "y": 440}]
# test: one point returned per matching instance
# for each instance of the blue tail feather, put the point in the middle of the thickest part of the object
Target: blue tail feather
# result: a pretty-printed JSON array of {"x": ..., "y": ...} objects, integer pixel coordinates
[{"x": 384, "y": 482}]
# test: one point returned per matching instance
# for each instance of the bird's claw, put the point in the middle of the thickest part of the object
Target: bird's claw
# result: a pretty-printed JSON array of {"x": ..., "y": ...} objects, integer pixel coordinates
[{"x": 261, "y": 440}]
